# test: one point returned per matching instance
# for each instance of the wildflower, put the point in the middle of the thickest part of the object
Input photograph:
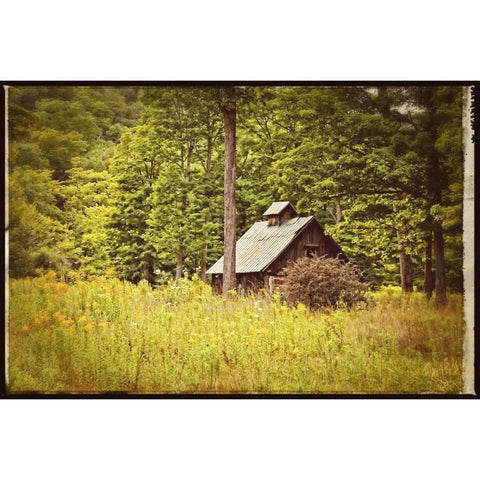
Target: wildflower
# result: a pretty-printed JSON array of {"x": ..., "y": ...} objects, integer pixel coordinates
[
  {"x": 133, "y": 324},
  {"x": 82, "y": 319},
  {"x": 301, "y": 308},
  {"x": 257, "y": 316},
  {"x": 41, "y": 318},
  {"x": 232, "y": 332},
  {"x": 60, "y": 317},
  {"x": 232, "y": 292},
  {"x": 89, "y": 326}
]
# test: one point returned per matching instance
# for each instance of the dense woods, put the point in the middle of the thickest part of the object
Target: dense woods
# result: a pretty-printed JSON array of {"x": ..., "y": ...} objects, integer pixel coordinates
[{"x": 129, "y": 182}]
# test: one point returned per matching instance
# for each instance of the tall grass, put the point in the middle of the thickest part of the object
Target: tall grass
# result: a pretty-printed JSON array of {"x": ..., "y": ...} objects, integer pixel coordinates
[{"x": 105, "y": 335}]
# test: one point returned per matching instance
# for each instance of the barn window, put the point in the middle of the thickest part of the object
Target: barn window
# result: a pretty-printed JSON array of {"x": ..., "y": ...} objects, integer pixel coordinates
[{"x": 311, "y": 250}]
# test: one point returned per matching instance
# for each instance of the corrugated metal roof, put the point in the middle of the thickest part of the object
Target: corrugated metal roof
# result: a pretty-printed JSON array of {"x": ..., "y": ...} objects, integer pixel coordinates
[
  {"x": 276, "y": 208},
  {"x": 261, "y": 245}
]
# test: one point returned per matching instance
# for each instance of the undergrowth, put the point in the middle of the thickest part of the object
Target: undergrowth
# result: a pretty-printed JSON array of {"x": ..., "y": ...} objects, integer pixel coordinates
[{"x": 104, "y": 335}]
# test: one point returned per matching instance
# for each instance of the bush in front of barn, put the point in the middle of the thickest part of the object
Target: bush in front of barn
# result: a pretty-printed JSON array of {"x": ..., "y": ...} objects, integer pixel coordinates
[{"x": 323, "y": 282}]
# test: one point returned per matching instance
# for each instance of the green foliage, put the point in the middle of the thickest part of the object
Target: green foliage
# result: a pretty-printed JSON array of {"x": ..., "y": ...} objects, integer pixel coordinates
[
  {"x": 32, "y": 235},
  {"x": 60, "y": 148},
  {"x": 58, "y": 206},
  {"x": 134, "y": 178}
]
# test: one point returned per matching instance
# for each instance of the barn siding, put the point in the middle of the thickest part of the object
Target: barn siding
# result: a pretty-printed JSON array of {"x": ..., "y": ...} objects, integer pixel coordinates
[{"x": 312, "y": 235}]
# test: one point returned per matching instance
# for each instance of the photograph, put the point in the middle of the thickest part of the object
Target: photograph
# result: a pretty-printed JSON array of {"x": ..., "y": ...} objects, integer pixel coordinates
[{"x": 239, "y": 239}]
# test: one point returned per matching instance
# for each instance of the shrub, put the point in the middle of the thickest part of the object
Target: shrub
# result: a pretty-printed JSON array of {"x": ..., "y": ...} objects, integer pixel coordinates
[{"x": 320, "y": 282}]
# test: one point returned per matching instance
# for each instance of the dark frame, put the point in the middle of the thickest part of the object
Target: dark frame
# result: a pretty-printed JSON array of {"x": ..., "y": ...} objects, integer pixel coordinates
[{"x": 123, "y": 395}]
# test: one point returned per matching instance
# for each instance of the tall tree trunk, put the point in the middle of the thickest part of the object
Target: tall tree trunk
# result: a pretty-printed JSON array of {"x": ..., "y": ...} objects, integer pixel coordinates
[
  {"x": 208, "y": 174},
  {"x": 438, "y": 244},
  {"x": 440, "y": 283},
  {"x": 405, "y": 261},
  {"x": 181, "y": 248},
  {"x": 229, "y": 112},
  {"x": 179, "y": 268},
  {"x": 428, "y": 283},
  {"x": 338, "y": 210},
  {"x": 436, "y": 185},
  {"x": 203, "y": 263},
  {"x": 406, "y": 272}
]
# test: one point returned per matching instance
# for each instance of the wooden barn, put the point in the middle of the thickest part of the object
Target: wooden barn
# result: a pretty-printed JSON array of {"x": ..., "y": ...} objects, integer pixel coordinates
[{"x": 264, "y": 250}]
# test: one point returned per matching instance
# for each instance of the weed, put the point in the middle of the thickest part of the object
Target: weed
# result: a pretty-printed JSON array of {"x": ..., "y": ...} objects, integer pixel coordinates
[{"x": 106, "y": 335}]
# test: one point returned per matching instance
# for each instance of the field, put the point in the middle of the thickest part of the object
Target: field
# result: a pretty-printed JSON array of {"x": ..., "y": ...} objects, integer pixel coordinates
[{"x": 104, "y": 335}]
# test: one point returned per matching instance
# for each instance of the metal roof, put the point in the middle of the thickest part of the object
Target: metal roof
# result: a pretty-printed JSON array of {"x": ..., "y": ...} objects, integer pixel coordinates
[
  {"x": 276, "y": 208},
  {"x": 262, "y": 244}
]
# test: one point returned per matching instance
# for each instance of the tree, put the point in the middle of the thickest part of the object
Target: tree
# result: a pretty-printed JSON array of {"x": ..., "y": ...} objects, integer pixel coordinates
[
  {"x": 88, "y": 209},
  {"x": 134, "y": 170},
  {"x": 229, "y": 112},
  {"x": 97, "y": 169},
  {"x": 182, "y": 222}
]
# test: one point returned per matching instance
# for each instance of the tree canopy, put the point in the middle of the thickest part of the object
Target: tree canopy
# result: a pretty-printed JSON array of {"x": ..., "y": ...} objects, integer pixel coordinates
[{"x": 129, "y": 181}]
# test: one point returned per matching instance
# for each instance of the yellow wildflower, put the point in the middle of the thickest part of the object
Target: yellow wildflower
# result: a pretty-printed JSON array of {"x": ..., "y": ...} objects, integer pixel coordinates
[
  {"x": 301, "y": 308},
  {"x": 41, "y": 318},
  {"x": 89, "y": 326},
  {"x": 59, "y": 317}
]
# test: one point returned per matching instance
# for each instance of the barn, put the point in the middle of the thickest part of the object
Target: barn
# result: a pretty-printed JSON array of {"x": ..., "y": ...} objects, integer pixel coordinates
[{"x": 264, "y": 250}]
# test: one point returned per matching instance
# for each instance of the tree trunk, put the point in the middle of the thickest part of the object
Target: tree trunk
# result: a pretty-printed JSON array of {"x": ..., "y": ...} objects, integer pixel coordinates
[
  {"x": 428, "y": 283},
  {"x": 203, "y": 264},
  {"x": 440, "y": 283},
  {"x": 229, "y": 120},
  {"x": 436, "y": 186},
  {"x": 181, "y": 248},
  {"x": 405, "y": 261},
  {"x": 208, "y": 174},
  {"x": 406, "y": 272},
  {"x": 179, "y": 268},
  {"x": 338, "y": 210}
]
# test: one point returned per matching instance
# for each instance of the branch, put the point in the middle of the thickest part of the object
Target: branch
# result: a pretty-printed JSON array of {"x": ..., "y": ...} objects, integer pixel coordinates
[
  {"x": 329, "y": 210},
  {"x": 348, "y": 147},
  {"x": 365, "y": 192}
]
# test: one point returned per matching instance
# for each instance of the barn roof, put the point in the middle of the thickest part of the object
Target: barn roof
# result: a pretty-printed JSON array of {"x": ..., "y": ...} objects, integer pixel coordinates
[
  {"x": 277, "y": 207},
  {"x": 262, "y": 244}
]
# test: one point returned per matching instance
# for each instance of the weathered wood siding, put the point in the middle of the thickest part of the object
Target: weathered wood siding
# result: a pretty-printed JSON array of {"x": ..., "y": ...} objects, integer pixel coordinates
[
  {"x": 312, "y": 235},
  {"x": 250, "y": 282}
]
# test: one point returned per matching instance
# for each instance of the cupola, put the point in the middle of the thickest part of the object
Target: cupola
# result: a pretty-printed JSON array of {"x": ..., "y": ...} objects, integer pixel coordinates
[{"x": 279, "y": 212}]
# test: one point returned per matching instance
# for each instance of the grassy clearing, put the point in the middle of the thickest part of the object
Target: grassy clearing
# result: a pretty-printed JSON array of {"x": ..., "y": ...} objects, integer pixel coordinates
[{"x": 106, "y": 335}]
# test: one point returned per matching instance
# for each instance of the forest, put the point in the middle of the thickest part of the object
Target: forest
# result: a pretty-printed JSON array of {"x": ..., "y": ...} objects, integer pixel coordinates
[
  {"x": 116, "y": 211},
  {"x": 128, "y": 181}
]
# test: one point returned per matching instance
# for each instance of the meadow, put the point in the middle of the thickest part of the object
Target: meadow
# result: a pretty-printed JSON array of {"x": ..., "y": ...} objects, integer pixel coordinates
[{"x": 105, "y": 335}]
